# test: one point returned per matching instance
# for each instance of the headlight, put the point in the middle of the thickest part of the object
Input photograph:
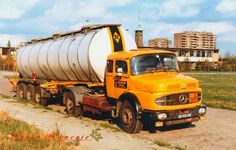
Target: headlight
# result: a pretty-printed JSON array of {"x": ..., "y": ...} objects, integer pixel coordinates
[
  {"x": 162, "y": 116},
  {"x": 202, "y": 111}
]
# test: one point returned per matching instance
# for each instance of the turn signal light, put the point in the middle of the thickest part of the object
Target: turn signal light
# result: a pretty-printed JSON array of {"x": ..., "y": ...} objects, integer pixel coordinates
[{"x": 193, "y": 97}]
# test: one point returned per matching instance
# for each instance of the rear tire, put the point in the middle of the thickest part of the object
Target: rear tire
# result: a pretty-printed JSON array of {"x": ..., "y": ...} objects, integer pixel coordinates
[
  {"x": 21, "y": 91},
  {"x": 71, "y": 107},
  {"x": 127, "y": 117},
  {"x": 38, "y": 97},
  {"x": 30, "y": 91},
  {"x": 38, "y": 94}
]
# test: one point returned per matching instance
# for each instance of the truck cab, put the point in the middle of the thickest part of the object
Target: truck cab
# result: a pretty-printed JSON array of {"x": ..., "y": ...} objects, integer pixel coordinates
[{"x": 146, "y": 87}]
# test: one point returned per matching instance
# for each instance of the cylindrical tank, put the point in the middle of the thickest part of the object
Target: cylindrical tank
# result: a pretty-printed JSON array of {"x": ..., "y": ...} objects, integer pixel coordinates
[{"x": 75, "y": 56}]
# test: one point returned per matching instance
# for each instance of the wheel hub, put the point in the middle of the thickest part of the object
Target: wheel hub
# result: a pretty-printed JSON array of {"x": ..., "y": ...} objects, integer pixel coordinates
[
  {"x": 28, "y": 95},
  {"x": 127, "y": 118},
  {"x": 21, "y": 93},
  {"x": 69, "y": 105},
  {"x": 37, "y": 97}
]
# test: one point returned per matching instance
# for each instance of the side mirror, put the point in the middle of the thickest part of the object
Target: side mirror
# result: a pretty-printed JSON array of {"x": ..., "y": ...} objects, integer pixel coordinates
[{"x": 119, "y": 72}]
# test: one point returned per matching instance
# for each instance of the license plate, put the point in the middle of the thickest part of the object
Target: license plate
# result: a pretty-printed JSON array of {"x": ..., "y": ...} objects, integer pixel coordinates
[{"x": 180, "y": 116}]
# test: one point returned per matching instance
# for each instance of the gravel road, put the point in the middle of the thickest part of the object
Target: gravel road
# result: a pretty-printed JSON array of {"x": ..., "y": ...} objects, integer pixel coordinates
[
  {"x": 217, "y": 132},
  {"x": 69, "y": 126}
]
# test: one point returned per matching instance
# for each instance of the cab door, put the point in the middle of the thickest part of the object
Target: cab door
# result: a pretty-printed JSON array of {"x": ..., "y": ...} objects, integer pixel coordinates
[
  {"x": 117, "y": 81},
  {"x": 109, "y": 78}
]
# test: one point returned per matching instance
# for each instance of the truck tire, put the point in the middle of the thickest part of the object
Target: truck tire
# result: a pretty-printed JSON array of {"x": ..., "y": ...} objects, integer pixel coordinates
[
  {"x": 30, "y": 91},
  {"x": 21, "y": 91},
  {"x": 128, "y": 121},
  {"x": 37, "y": 95},
  {"x": 71, "y": 107}
]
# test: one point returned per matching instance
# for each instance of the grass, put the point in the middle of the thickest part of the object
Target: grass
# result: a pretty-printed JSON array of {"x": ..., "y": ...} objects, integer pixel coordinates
[
  {"x": 18, "y": 135},
  {"x": 219, "y": 90},
  {"x": 109, "y": 126},
  {"x": 167, "y": 145}
]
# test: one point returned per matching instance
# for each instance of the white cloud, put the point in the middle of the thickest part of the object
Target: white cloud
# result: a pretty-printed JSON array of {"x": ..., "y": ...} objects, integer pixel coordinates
[
  {"x": 226, "y": 6},
  {"x": 179, "y": 8},
  {"x": 15, "y": 39},
  {"x": 13, "y": 9},
  {"x": 73, "y": 10},
  {"x": 72, "y": 14},
  {"x": 173, "y": 8},
  {"x": 225, "y": 31}
]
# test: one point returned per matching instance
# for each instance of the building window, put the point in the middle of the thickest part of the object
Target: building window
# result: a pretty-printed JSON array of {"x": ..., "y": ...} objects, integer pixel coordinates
[
  {"x": 198, "y": 54},
  {"x": 180, "y": 52},
  {"x": 209, "y": 54},
  {"x": 203, "y": 53},
  {"x": 191, "y": 53},
  {"x": 5, "y": 51}
]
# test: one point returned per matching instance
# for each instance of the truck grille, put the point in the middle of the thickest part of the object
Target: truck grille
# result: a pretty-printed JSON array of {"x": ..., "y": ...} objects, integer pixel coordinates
[{"x": 176, "y": 99}]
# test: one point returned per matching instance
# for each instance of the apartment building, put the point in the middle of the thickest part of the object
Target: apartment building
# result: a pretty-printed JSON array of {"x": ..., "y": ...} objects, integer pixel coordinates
[
  {"x": 196, "y": 46},
  {"x": 195, "y": 40},
  {"x": 159, "y": 42}
]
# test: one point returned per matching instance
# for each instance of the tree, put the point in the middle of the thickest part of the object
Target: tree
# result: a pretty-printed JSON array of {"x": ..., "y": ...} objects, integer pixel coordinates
[
  {"x": 188, "y": 64},
  {"x": 1, "y": 63},
  {"x": 9, "y": 62},
  {"x": 9, "y": 44}
]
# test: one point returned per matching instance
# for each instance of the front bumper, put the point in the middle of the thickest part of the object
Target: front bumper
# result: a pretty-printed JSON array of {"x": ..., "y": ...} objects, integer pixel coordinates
[{"x": 174, "y": 116}]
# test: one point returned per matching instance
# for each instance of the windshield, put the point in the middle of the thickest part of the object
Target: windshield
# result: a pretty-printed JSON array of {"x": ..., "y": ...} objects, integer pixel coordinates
[{"x": 153, "y": 63}]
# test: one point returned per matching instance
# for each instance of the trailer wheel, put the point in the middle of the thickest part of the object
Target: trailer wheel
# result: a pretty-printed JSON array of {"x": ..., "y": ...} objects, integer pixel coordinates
[
  {"x": 38, "y": 97},
  {"x": 71, "y": 107},
  {"x": 21, "y": 90},
  {"x": 30, "y": 91},
  {"x": 128, "y": 121}
]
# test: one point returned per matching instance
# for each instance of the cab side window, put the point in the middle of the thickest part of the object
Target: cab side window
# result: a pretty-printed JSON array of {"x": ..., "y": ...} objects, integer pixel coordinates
[
  {"x": 121, "y": 64},
  {"x": 110, "y": 66}
]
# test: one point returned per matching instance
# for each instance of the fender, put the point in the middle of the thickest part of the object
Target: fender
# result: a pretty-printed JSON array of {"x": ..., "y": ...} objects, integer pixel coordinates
[
  {"x": 133, "y": 101},
  {"x": 78, "y": 92}
]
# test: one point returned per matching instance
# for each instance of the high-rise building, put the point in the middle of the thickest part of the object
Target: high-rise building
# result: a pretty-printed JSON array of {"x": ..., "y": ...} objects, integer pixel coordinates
[
  {"x": 159, "y": 42},
  {"x": 195, "y": 40},
  {"x": 139, "y": 34}
]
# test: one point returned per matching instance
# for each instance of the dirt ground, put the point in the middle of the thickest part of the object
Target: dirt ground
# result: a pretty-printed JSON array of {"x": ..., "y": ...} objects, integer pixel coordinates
[{"x": 217, "y": 132}]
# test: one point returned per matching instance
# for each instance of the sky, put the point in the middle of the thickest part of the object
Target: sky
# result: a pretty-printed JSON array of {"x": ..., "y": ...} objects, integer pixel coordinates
[{"x": 22, "y": 20}]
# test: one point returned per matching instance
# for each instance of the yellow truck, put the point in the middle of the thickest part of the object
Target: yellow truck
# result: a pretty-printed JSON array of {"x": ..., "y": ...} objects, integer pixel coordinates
[{"x": 99, "y": 69}]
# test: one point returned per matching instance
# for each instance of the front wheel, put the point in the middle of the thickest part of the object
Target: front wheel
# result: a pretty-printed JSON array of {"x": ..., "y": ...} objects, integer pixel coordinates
[{"x": 127, "y": 117}]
